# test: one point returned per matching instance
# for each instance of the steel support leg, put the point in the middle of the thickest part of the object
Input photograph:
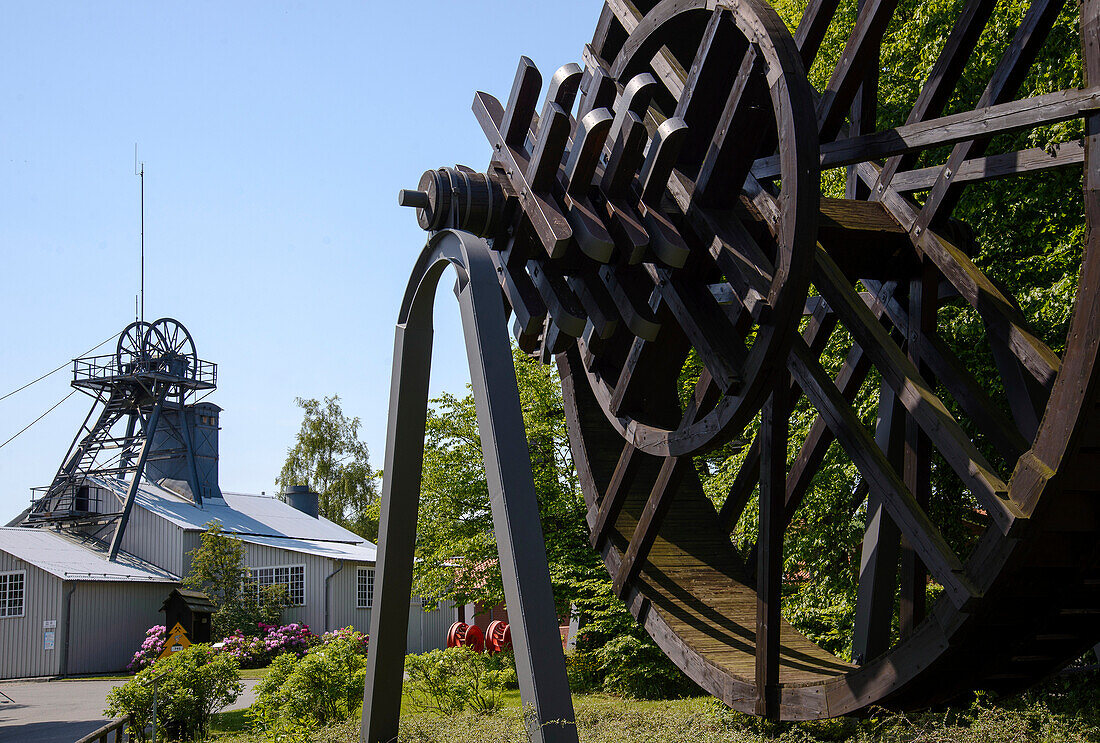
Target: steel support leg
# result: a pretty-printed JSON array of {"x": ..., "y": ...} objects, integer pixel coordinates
[{"x": 540, "y": 663}]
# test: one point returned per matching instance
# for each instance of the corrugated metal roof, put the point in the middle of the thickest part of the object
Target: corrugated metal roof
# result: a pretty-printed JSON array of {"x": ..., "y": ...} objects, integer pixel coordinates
[
  {"x": 362, "y": 552},
  {"x": 253, "y": 516},
  {"x": 70, "y": 559}
]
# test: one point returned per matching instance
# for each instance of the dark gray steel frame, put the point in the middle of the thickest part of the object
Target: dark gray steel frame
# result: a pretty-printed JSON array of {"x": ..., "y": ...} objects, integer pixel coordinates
[{"x": 540, "y": 662}]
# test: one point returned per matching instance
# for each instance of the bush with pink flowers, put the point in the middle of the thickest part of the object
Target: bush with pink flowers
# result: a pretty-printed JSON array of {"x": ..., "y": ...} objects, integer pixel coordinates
[
  {"x": 255, "y": 652},
  {"x": 358, "y": 639},
  {"x": 150, "y": 649}
]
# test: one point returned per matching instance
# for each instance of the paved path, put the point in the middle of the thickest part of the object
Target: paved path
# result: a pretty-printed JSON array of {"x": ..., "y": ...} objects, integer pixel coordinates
[{"x": 63, "y": 711}]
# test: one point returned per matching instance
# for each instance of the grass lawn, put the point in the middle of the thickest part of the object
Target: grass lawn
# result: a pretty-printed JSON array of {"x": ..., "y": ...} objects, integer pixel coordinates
[{"x": 1059, "y": 712}]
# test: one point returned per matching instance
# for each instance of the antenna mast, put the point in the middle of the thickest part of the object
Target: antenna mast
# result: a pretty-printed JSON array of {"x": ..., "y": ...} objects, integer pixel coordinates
[{"x": 141, "y": 174}]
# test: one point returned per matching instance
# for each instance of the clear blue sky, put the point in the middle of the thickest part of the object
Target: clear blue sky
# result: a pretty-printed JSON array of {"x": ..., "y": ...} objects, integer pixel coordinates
[{"x": 275, "y": 136}]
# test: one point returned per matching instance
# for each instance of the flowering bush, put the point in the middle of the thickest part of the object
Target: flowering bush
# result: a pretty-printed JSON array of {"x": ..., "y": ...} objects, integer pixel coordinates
[
  {"x": 356, "y": 639},
  {"x": 254, "y": 652},
  {"x": 150, "y": 649}
]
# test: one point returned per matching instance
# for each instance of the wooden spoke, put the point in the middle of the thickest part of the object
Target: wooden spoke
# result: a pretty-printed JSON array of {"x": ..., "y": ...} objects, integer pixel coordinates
[
  {"x": 860, "y": 54},
  {"x": 1002, "y": 87},
  {"x": 878, "y": 565},
  {"x": 899, "y": 502},
  {"x": 919, "y": 399},
  {"x": 715, "y": 67},
  {"x": 613, "y": 498},
  {"x": 923, "y": 299},
  {"x": 944, "y": 77},
  {"x": 812, "y": 28},
  {"x": 852, "y": 375},
  {"x": 742, "y": 132},
  {"x": 715, "y": 339},
  {"x": 816, "y": 335},
  {"x": 949, "y": 370}
]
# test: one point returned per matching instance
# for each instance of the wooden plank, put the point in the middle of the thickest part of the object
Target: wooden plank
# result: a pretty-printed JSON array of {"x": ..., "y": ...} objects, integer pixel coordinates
[
  {"x": 915, "y": 393},
  {"x": 948, "y": 130}
]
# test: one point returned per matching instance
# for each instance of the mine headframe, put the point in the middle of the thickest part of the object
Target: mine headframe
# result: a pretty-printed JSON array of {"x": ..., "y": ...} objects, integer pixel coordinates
[{"x": 139, "y": 414}]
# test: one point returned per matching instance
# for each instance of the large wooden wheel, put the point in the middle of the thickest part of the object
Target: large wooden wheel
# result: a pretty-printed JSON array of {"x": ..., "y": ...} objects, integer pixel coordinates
[{"x": 674, "y": 222}]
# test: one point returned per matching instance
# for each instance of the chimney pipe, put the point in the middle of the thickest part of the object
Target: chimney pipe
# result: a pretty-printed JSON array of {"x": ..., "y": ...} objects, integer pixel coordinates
[{"x": 304, "y": 499}]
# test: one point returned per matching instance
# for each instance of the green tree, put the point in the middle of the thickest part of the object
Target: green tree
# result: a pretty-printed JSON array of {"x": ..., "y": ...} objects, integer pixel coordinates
[
  {"x": 218, "y": 569},
  {"x": 456, "y": 548},
  {"x": 329, "y": 458}
]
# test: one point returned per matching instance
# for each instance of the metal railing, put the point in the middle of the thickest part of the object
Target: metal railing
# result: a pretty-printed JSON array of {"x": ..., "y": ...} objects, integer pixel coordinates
[{"x": 102, "y": 368}]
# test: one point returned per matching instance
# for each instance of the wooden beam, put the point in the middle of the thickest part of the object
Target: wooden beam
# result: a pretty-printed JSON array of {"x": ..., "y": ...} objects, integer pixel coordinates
[
  {"x": 952, "y": 374},
  {"x": 991, "y": 167},
  {"x": 622, "y": 478},
  {"x": 812, "y": 29},
  {"x": 948, "y": 130},
  {"x": 923, "y": 302},
  {"x": 878, "y": 567},
  {"x": 1005, "y": 81},
  {"x": 774, "y": 425}
]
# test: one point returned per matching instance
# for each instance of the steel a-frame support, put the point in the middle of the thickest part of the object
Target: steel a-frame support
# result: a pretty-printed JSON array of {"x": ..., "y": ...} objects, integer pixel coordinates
[{"x": 540, "y": 663}]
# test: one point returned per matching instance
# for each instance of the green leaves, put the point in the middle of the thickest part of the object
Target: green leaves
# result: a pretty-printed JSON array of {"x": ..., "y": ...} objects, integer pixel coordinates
[{"x": 329, "y": 458}]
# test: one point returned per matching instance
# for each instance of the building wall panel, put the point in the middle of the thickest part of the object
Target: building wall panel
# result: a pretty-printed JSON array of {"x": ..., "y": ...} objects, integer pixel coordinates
[
  {"x": 155, "y": 540},
  {"x": 428, "y": 629},
  {"x": 22, "y": 652},
  {"x": 109, "y": 621},
  {"x": 316, "y": 569}
]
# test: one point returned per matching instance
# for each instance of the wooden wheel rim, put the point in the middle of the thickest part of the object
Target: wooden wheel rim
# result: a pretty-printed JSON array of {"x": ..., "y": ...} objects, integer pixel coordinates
[{"x": 793, "y": 224}]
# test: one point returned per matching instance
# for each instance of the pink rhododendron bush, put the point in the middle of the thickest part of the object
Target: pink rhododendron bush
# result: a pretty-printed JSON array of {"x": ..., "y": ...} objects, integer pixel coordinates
[
  {"x": 274, "y": 640},
  {"x": 150, "y": 649}
]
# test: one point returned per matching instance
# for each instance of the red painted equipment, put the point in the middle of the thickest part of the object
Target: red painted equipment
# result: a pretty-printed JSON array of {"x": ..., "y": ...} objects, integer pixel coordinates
[
  {"x": 466, "y": 635},
  {"x": 498, "y": 636}
]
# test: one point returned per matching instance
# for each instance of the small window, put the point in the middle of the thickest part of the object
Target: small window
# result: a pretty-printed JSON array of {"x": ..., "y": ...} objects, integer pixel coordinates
[
  {"x": 12, "y": 593},
  {"x": 292, "y": 577},
  {"x": 364, "y": 589}
]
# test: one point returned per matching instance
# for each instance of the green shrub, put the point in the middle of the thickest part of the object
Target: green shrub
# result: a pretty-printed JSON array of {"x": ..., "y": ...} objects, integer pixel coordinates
[
  {"x": 637, "y": 668},
  {"x": 324, "y": 686},
  {"x": 192, "y": 684},
  {"x": 451, "y": 680}
]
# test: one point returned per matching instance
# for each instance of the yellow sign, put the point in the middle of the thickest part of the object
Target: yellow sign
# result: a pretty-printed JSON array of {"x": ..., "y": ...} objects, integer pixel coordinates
[{"x": 177, "y": 641}]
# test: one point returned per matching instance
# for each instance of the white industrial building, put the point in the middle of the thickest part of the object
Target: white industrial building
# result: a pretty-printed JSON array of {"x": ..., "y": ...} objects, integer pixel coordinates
[{"x": 84, "y": 571}]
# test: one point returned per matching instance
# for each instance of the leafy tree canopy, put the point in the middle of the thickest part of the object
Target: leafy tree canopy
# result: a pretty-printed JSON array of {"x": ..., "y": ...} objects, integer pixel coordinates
[
  {"x": 329, "y": 458},
  {"x": 218, "y": 569}
]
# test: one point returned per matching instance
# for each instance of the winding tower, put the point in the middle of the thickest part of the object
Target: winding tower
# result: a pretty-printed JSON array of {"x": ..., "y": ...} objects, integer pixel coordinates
[{"x": 142, "y": 419}]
